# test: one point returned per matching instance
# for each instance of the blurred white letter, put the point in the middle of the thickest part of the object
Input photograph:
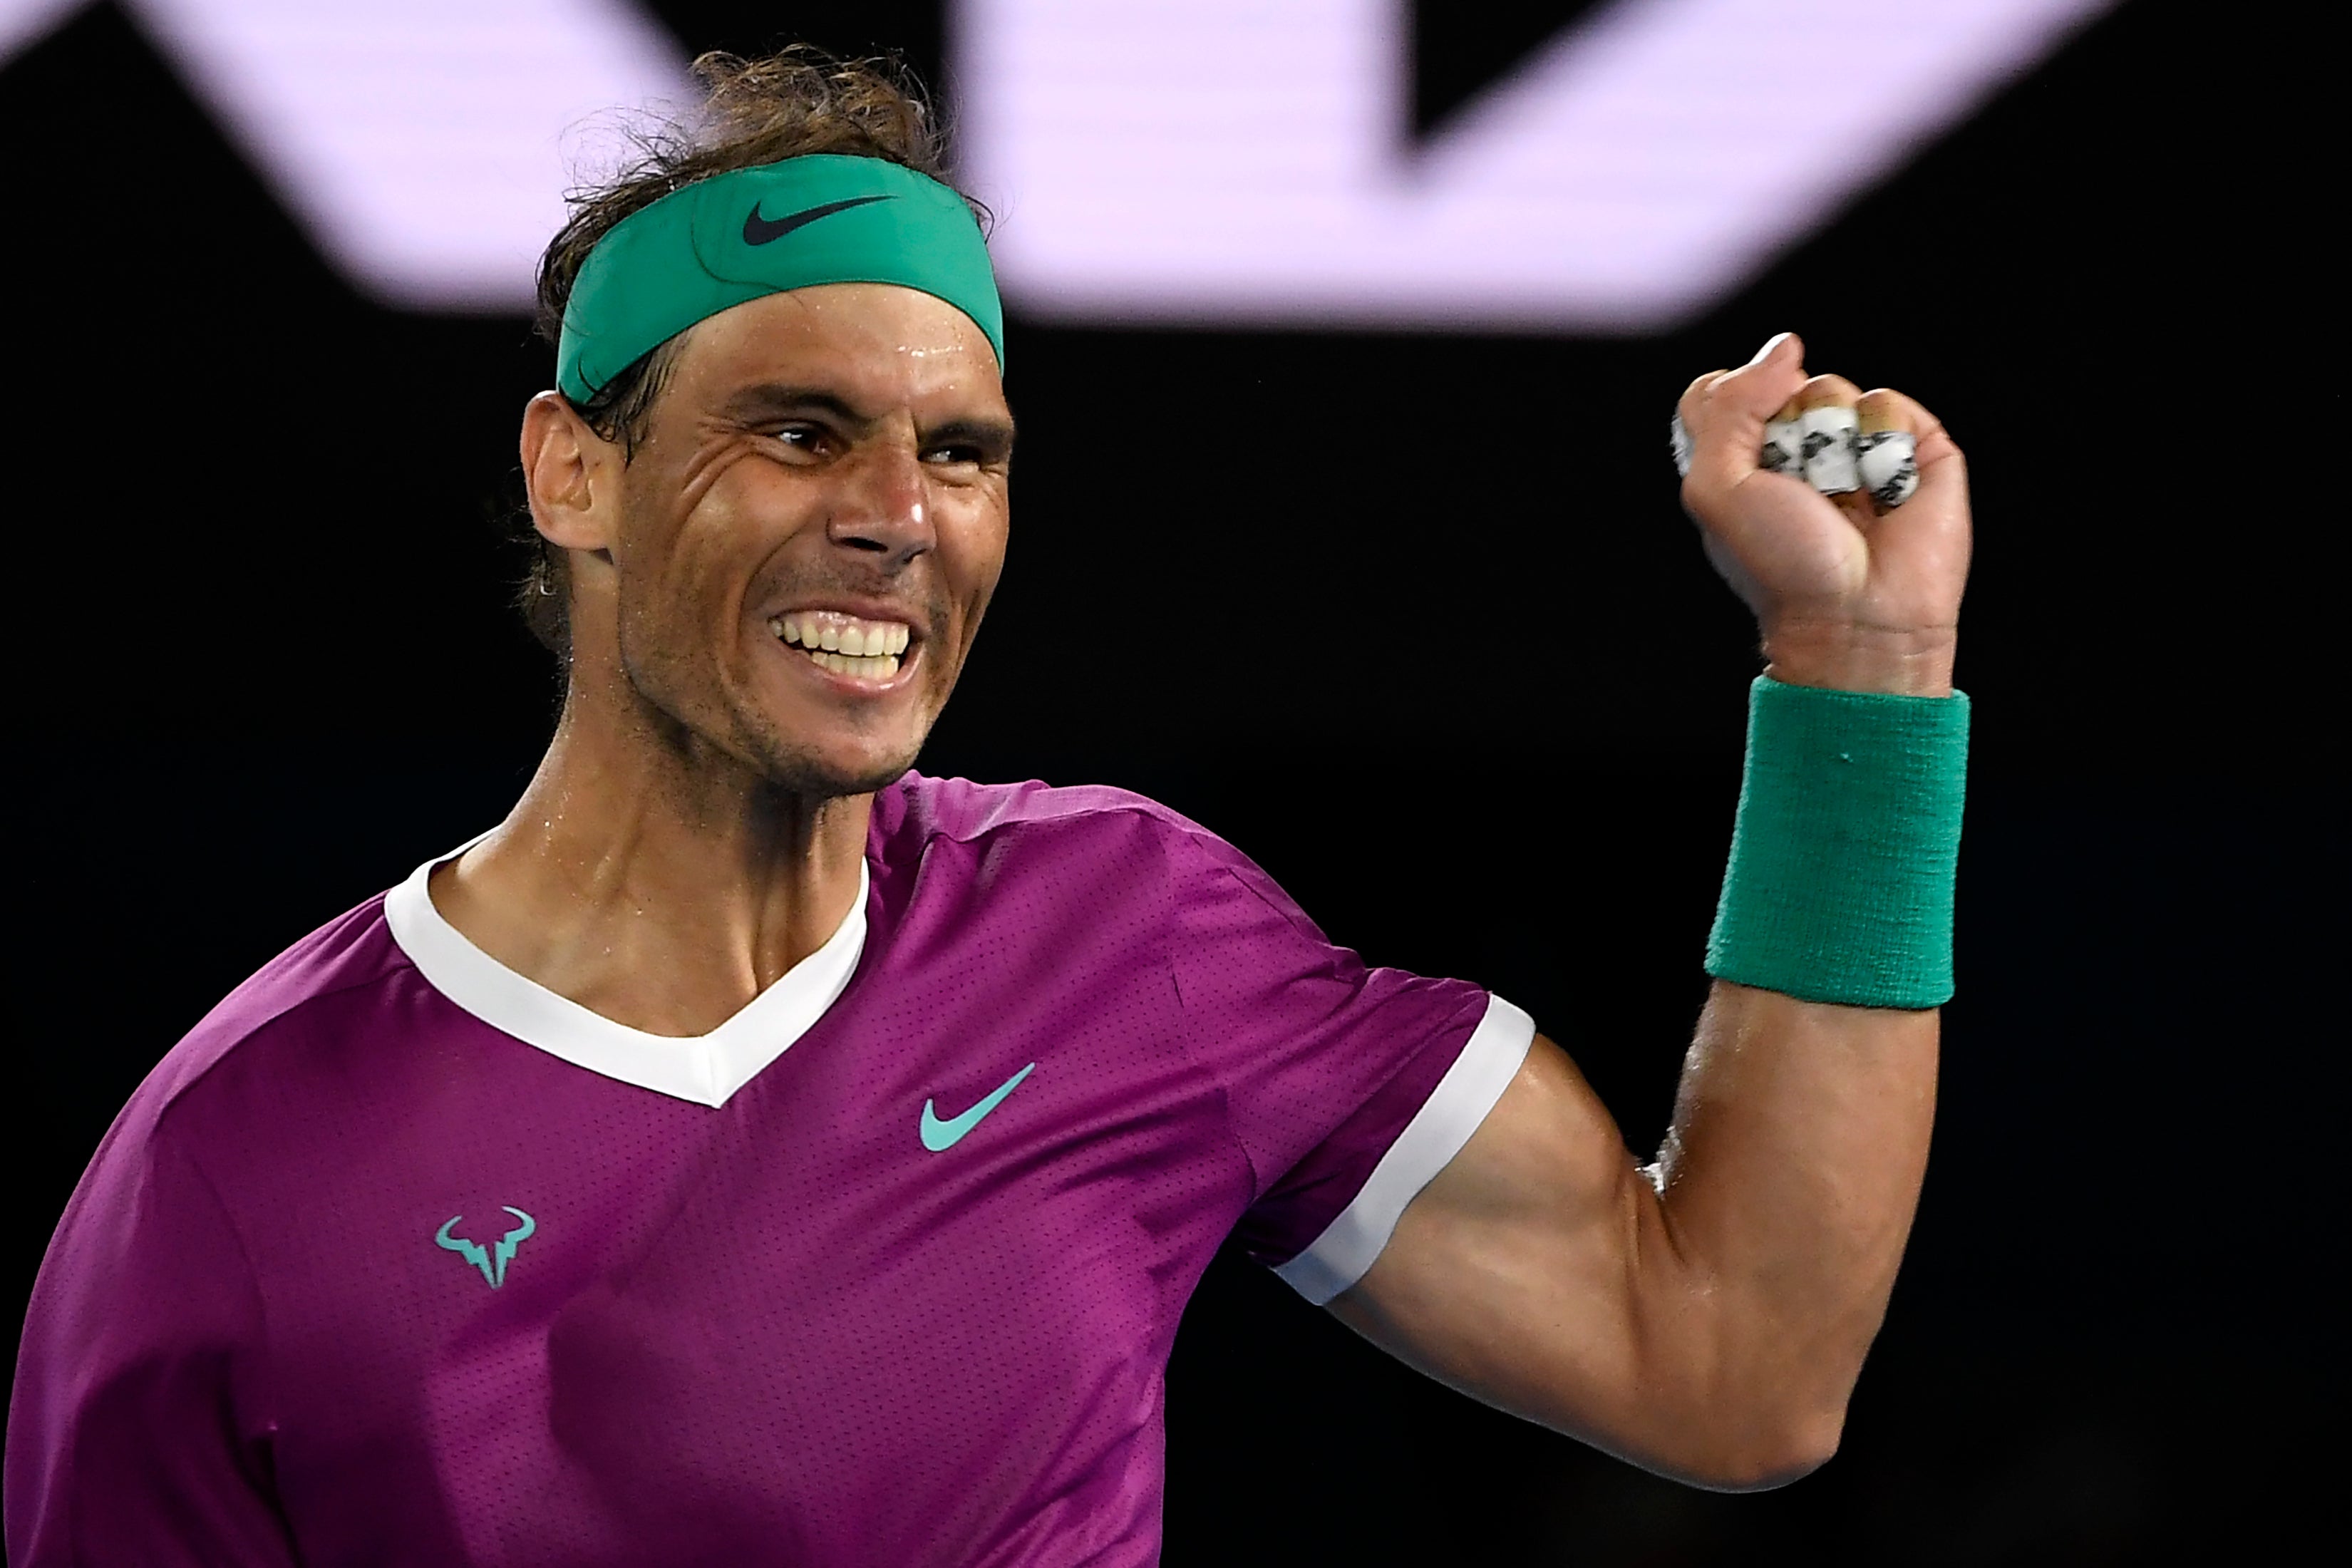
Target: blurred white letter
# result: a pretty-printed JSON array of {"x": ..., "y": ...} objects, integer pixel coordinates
[
  {"x": 420, "y": 142},
  {"x": 1250, "y": 159}
]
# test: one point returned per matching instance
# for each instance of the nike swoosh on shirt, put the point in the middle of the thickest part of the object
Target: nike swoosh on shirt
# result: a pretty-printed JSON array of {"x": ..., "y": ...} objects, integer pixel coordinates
[
  {"x": 939, "y": 1135},
  {"x": 757, "y": 230}
]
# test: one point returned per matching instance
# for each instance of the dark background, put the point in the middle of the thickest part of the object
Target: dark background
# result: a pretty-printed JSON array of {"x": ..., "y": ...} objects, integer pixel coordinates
[{"x": 262, "y": 665}]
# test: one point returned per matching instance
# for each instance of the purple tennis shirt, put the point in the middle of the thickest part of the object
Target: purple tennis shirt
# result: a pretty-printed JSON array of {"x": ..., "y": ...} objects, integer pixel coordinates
[{"x": 400, "y": 1259}]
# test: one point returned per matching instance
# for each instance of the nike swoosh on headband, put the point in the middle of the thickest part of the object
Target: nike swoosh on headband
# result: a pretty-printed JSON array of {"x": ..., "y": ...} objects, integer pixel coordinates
[
  {"x": 711, "y": 245},
  {"x": 757, "y": 230}
]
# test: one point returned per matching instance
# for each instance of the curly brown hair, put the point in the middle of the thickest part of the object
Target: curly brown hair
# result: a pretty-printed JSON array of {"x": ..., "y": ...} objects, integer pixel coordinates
[{"x": 795, "y": 101}]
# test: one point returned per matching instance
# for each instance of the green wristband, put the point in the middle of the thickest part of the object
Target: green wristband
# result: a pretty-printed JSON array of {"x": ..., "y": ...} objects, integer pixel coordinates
[{"x": 1840, "y": 885}]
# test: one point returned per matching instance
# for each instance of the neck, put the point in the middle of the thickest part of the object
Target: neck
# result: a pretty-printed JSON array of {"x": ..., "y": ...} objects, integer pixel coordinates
[{"x": 652, "y": 879}]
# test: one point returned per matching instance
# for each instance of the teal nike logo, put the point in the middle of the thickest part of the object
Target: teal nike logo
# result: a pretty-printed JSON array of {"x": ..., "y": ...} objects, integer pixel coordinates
[
  {"x": 493, "y": 1268},
  {"x": 939, "y": 1135}
]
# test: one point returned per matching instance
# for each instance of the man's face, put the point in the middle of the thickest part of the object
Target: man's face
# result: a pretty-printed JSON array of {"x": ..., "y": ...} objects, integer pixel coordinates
[{"x": 811, "y": 529}]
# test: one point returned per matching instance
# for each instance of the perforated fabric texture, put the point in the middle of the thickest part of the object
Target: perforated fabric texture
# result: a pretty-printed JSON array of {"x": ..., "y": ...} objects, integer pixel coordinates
[{"x": 783, "y": 1328}]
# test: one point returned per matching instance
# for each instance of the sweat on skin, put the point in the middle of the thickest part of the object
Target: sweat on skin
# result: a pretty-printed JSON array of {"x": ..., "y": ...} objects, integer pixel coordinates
[{"x": 770, "y": 947}]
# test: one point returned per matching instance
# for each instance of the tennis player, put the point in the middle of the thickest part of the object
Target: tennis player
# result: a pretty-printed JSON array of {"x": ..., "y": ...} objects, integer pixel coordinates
[{"x": 752, "y": 1150}]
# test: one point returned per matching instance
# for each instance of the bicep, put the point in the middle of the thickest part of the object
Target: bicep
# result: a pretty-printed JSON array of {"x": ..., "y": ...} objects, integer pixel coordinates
[{"x": 1518, "y": 1275}]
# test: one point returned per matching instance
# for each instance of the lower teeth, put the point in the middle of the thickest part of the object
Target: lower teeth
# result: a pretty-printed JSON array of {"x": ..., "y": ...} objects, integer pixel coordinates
[{"x": 875, "y": 666}]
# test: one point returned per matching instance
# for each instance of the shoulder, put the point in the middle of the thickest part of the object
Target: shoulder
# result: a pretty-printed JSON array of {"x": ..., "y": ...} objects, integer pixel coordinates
[
  {"x": 294, "y": 994},
  {"x": 1090, "y": 842},
  {"x": 918, "y": 811},
  {"x": 148, "y": 1195}
]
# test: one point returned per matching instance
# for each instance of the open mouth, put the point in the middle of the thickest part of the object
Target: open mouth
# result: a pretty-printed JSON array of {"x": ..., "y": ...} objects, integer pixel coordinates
[{"x": 844, "y": 644}]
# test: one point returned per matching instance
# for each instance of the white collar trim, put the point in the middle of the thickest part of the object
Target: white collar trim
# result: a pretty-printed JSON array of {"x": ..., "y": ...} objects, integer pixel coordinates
[{"x": 704, "y": 1069}]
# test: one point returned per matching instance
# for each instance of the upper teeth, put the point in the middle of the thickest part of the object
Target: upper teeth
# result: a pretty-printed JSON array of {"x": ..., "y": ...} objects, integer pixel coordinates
[{"x": 834, "y": 631}]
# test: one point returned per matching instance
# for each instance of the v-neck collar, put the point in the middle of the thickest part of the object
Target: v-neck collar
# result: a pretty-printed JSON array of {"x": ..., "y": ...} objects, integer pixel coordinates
[{"x": 704, "y": 1069}]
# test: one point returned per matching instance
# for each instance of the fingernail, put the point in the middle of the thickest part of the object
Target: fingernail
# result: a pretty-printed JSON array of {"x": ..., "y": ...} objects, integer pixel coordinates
[
  {"x": 1678, "y": 441},
  {"x": 1828, "y": 435},
  {"x": 1888, "y": 464},
  {"x": 1772, "y": 346}
]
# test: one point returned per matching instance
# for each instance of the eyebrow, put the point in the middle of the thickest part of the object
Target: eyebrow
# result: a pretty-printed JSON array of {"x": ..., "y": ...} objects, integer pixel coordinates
[
  {"x": 995, "y": 436},
  {"x": 772, "y": 399}
]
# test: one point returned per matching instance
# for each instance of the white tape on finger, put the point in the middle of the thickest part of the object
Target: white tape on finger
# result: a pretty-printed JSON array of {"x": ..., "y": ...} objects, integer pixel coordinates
[
  {"x": 1829, "y": 436},
  {"x": 1834, "y": 458},
  {"x": 1887, "y": 463}
]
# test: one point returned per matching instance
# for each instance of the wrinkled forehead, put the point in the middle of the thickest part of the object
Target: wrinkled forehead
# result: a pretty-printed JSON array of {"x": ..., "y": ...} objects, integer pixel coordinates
[{"x": 878, "y": 344}]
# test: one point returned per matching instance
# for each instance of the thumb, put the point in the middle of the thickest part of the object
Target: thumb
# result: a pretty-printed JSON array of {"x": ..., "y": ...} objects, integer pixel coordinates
[
  {"x": 1756, "y": 391},
  {"x": 1725, "y": 413}
]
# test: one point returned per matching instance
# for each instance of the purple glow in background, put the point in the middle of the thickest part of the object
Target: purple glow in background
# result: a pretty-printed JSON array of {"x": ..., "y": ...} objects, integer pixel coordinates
[
  {"x": 425, "y": 144},
  {"x": 1154, "y": 160},
  {"x": 1237, "y": 161}
]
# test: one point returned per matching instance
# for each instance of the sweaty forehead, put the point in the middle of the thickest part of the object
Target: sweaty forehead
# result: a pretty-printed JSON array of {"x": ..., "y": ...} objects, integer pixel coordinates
[{"x": 885, "y": 342}]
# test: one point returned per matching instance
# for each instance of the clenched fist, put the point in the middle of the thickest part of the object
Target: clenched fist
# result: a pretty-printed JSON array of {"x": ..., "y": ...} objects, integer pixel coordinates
[{"x": 1846, "y": 594}]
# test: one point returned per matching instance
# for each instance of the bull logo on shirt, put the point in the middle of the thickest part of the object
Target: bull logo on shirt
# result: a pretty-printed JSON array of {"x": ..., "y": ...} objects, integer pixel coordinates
[{"x": 491, "y": 1262}]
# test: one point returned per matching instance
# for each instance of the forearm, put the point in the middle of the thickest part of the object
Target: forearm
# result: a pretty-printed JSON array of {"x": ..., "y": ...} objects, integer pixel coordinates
[
  {"x": 1710, "y": 1322},
  {"x": 1791, "y": 1172},
  {"x": 1788, "y": 1181}
]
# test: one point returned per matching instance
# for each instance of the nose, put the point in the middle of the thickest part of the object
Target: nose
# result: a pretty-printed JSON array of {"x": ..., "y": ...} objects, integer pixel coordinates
[{"x": 882, "y": 508}]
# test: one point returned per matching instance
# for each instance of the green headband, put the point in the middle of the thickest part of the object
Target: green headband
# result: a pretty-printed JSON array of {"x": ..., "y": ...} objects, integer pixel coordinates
[{"x": 736, "y": 237}]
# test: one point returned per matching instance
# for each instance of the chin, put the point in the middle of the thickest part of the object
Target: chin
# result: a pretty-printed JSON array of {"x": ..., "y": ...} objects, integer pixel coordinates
[{"x": 801, "y": 770}]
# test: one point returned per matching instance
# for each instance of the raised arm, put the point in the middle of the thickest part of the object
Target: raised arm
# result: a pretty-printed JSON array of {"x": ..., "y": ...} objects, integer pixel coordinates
[{"x": 1706, "y": 1316}]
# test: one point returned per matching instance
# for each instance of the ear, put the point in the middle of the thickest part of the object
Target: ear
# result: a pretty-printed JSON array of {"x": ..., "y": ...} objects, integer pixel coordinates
[{"x": 571, "y": 474}]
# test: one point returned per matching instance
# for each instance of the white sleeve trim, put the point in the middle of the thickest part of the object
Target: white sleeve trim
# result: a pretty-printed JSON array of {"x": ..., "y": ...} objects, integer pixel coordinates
[{"x": 1338, "y": 1258}]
